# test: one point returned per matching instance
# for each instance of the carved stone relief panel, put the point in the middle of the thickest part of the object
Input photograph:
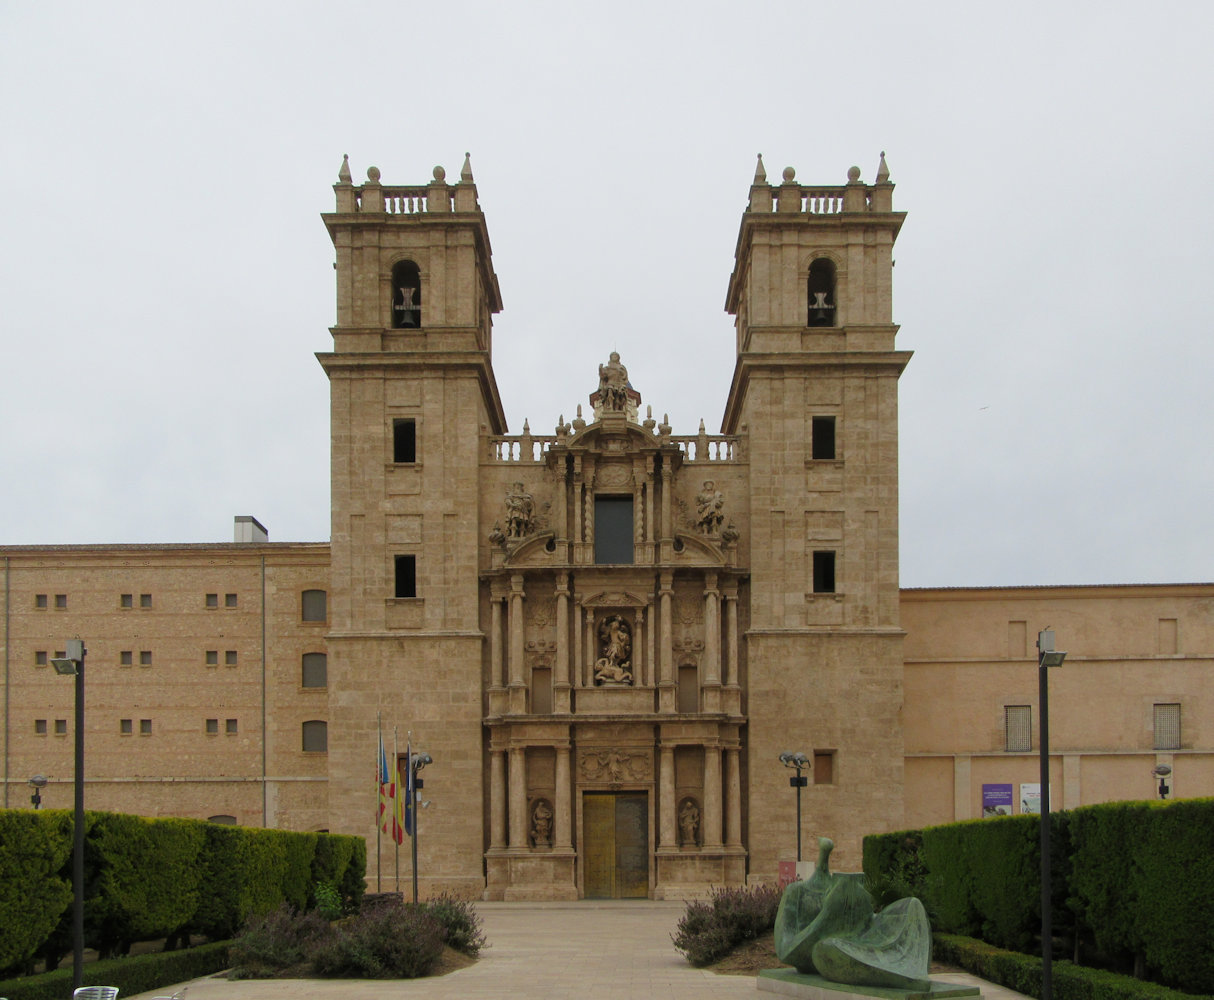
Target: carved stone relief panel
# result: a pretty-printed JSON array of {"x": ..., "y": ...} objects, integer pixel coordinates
[{"x": 615, "y": 765}]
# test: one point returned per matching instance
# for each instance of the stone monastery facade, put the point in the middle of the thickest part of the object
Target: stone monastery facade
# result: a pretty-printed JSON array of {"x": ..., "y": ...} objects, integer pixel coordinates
[{"x": 604, "y": 637}]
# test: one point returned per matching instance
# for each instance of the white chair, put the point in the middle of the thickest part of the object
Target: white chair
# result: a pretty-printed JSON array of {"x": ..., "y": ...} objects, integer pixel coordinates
[{"x": 95, "y": 993}]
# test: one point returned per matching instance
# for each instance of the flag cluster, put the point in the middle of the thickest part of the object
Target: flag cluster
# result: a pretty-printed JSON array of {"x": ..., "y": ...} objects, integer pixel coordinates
[{"x": 391, "y": 806}]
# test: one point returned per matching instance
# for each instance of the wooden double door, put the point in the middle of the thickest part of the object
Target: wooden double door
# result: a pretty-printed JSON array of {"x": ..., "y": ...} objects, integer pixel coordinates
[{"x": 615, "y": 845}]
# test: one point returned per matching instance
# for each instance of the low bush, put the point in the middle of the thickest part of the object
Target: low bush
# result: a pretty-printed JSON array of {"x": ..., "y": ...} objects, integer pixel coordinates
[
  {"x": 460, "y": 922},
  {"x": 279, "y": 943},
  {"x": 388, "y": 943},
  {"x": 1023, "y": 973},
  {"x": 136, "y": 974},
  {"x": 710, "y": 930}
]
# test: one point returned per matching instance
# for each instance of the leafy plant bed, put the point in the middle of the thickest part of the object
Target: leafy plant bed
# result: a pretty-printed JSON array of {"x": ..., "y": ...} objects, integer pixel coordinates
[{"x": 392, "y": 940}]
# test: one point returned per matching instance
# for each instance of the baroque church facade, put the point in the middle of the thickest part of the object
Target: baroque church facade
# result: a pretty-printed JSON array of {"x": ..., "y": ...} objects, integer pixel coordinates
[{"x": 606, "y": 636}]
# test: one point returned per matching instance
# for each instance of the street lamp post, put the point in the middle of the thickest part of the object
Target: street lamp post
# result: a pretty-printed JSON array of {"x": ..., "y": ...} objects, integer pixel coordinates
[
  {"x": 417, "y": 761},
  {"x": 796, "y": 760},
  {"x": 37, "y": 782},
  {"x": 1047, "y": 657},
  {"x": 1161, "y": 772},
  {"x": 72, "y": 664}
]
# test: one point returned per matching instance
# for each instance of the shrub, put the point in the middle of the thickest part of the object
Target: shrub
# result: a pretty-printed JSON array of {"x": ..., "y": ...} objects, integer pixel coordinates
[
  {"x": 33, "y": 892},
  {"x": 327, "y": 900},
  {"x": 460, "y": 922},
  {"x": 391, "y": 942},
  {"x": 138, "y": 974},
  {"x": 281, "y": 941},
  {"x": 708, "y": 931}
]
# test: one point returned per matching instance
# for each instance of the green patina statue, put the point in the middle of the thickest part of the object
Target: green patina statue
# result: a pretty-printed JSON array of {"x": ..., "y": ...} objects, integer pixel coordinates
[{"x": 826, "y": 926}]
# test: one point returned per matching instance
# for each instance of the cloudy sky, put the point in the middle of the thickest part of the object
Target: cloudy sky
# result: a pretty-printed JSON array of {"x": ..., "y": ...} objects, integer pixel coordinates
[{"x": 165, "y": 279}]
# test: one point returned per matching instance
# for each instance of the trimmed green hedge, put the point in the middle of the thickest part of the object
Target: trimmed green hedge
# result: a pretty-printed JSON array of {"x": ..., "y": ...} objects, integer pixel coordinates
[
  {"x": 1131, "y": 879},
  {"x": 137, "y": 974},
  {"x": 152, "y": 878},
  {"x": 1022, "y": 973}
]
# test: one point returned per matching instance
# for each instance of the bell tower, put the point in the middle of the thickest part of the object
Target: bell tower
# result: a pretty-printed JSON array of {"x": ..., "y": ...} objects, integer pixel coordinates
[
  {"x": 815, "y": 391},
  {"x": 413, "y": 395}
]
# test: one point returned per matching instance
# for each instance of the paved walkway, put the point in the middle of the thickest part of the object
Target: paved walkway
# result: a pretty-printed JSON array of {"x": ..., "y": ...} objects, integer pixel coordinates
[{"x": 586, "y": 950}]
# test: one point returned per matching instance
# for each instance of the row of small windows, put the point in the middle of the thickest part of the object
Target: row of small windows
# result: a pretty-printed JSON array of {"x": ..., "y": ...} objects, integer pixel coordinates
[
  {"x": 1018, "y": 727},
  {"x": 229, "y": 726},
  {"x": 314, "y": 665},
  {"x": 314, "y": 603},
  {"x": 315, "y": 732}
]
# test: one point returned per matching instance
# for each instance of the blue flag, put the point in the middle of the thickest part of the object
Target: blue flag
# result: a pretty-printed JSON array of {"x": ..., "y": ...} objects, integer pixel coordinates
[{"x": 410, "y": 797}]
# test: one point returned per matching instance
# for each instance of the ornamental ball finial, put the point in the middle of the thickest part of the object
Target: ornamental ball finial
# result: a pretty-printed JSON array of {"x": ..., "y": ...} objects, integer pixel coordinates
[
  {"x": 440, "y": 174},
  {"x": 373, "y": 174},
  {"x": 853, "y": 175},
  {"x": 789, "y": 174}
]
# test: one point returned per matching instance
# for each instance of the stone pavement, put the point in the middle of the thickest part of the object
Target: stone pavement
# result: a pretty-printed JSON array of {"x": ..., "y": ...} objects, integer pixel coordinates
[{"x": 588, "y": 950}]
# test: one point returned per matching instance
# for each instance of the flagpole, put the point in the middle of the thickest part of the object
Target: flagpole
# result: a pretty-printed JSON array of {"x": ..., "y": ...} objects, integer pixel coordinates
[
  {"x": 379, "y": 784},
  {"x": 412, "y": 780},
  {"x": 399, "y": 791}
]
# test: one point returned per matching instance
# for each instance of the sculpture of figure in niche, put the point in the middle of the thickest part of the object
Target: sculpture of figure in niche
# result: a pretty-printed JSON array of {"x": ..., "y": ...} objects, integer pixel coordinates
[
  {"x": 615, "y": 665},
  {"x": 710, "y": 508},
  {"x": 541, "y": 823},
  {"x": 519, "y": 509},
  {"x": 613, "y": 383},
  {"x": 689, "y": 823}
]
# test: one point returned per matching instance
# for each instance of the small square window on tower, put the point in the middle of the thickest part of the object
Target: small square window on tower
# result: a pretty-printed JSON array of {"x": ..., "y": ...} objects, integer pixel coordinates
[
  {"x": 229, "y": 658},
  {"x": 40, "y": 659},
  {"x": 61, "y": 601},
  {"x": 145, "y": 657},
  {"x": 40, "y": 602},
  {"x": 125, "y": 727},
  {"x": 404, "y": 441},
  {"x": 40, "y": 727},
  {"x": 145, "y": 600},
  {"x": 406, "y": 576},
  {"x": 212, "y": 657},
  {"x": 824, "y": 572},
  {"x": 145, "y": 727},
  {"x": 229, "y": 600},
  {"x": 61, "y": 727},
  {"x": 126, "y": 657},
  {"x": 212, "y": 727},
  {"x": 212, "y": 600},
  {"x": 823, "y": 437},
  {"x": 1018, "y": 728},
  {"x": 229, "y": 727},
  {"x": 126, "y": 600}
]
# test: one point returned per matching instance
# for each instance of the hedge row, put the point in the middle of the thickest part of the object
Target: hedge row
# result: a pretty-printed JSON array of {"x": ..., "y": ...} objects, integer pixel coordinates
[
  {"x": 154, "y": 878},
  {"x": 1022, "y": 973},
  {"x": 138, "y": 974},
  {"x": 1131, "y": 883}
]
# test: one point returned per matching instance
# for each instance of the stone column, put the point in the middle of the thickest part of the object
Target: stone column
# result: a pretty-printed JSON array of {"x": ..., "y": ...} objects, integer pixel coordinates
[
  {"x": 667, "y": 528},
  {"x": 639, "y": 666},
  {"x": 497, "y": 668},
  {"x": 579, "y": 669},
  {"x": 712, "y": 796},
  {"x": 517, "y": 685},
  {"x": 563, "y": 807},
  {"x": 729, "y": 674},
  {"x": 518, "y": 797},
  {"x": 497, "y": 799},
  {"x": 588, "y": 680},
  {"x": 710, "y": 682},
  {"x": 666, "y": 684},
  {"x": 666, "y": 822},
  {"x": 733, "y": 800},
  {"x": 560, "y": 700}
]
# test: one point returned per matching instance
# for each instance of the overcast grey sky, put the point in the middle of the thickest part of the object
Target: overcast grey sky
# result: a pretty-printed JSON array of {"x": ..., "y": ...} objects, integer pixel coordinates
[{"x": 165, "y": 279}]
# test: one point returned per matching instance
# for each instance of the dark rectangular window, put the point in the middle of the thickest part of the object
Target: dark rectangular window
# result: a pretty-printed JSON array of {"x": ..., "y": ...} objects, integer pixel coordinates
[
  {"x": 404, "y": 441},
  {"x": 824, "y": 572},
  {"x": 40, "y": 659},
  {"x": 61, "y": 601},
  {"x": 61, "y": 727},
  {"x": 145, "y": 657},
  {"x": 145, "y": 600},
  {"x": 314, "y": 606},
  {"x": 212, "y": 657},
  {"x": 406, "y": 576},
  {"x": 125, "y": 658},
  {"x": 40, "y": 601},
  {"x": 229, "y": 727},
  {"x": 824, "y": 767},
  {"x": 212, "y": 726},
  {"x": 229, "y": 600},
  {"x": 126, "y": 601},
  {"x": 212, "y": 600},
  {"x": 613, "y": 530},
  {"x": 40, "y": 727},
  {"x": 315, "y": 670},
  {"x": 229, "y": 658},
  {"x": 124, "y": 727},
  {"x": 823, "y": 435},
  {"x": 145, "y": 727}
]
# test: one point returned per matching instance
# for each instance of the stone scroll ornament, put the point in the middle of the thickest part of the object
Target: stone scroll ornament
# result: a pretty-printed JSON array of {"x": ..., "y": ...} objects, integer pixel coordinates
[{"x": 826, "y": 926}]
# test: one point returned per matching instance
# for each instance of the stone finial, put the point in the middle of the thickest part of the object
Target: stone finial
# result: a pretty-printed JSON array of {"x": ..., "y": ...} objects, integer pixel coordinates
[
  {"x": 853, "y": 175},
  {"x": 373, "y": 174},
  {"x": 526, "y": 426},
  {"x": 343, "y": 175},
  {"x": 790, "y": 174},
  {"x": 440, "y": 174},
  {"x": 760, "y": 172},
  {"x": 883, "y": 170},
  {"x": 664, "y": 426},
  {"x": 465, "y": 174}
]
